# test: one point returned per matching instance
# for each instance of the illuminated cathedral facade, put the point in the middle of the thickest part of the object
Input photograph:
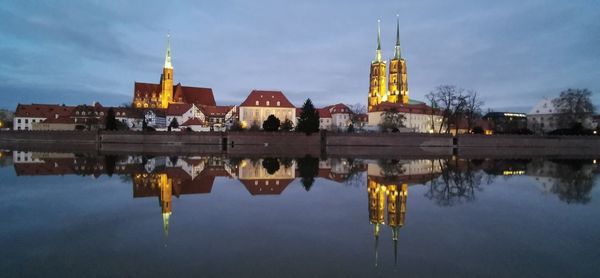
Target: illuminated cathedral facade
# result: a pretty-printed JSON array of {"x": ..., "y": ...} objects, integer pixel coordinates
[{"x": 392, "y": 86}]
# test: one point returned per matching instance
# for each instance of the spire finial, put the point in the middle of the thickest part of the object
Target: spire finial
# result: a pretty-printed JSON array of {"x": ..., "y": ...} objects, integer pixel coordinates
[
  {"x": 378, "y": 52},
  {"x": 397, "y": 48},
  {"x": 168, "y": 64}
]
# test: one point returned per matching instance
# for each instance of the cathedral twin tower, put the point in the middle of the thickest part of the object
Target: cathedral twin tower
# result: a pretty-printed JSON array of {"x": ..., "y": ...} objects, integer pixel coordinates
[{"x": 397, "y": 87}]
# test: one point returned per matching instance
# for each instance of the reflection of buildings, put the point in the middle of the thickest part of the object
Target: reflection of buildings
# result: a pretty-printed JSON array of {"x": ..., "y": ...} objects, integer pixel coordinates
[
  {"x": 387, "y": 189},
  {"x": 257, "y": 179}
]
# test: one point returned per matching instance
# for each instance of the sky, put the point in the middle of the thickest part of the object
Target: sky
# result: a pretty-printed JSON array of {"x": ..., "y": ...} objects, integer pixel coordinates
[{"x": 514, "y": 52}]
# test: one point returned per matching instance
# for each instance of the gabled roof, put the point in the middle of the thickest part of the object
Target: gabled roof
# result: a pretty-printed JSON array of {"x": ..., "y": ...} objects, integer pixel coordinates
[
  {"x": 339, "y": 108},
  {"x": 195, "y": 95},
  {"x": 59, "y": 120},
  {"x": 266, "y": 186},
  {"x": 42, "y": 110},
  {"x": 192, "y": 121},
  {"x": 140, "y": 89},
  {"x": 178, "y": 109},
  {"x": 324, "y": 113},
  {"x": 216, "y": 110},
  {"x": 419, "y": 108},
  {"x": 123, "y": 112},
  {"x": 267, "y": 99}
]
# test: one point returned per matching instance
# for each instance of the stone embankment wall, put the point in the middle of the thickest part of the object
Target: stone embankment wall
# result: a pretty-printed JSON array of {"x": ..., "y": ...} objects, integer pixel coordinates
[
  {"x": 299, "y": 144},
  {"x": 181, "y": 138},
  {"x": 389, "y": 140},
  {"x": 49, "y": 136},
  {"x": 528, "y": 141},
  {"x": 290, "y": 144}
]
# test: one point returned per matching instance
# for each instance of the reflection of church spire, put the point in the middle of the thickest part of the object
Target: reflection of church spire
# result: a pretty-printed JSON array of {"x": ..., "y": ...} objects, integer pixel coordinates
[
  {"x": 395, "y": 197},
  {"x": 166, "y": 216},
  {"x": 376, "y": 233},
  {"x": 165, "y": 186}
]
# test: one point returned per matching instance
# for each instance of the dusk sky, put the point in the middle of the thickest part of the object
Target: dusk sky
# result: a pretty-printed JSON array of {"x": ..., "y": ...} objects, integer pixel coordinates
[{"x": 513, "y": 52}]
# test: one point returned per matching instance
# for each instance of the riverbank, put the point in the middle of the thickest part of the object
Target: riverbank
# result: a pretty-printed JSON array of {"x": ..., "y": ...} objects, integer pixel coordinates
[{"x": 299, "y": 144}]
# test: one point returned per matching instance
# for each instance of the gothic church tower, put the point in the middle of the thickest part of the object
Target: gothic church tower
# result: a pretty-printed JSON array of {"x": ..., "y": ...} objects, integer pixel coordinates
[
  {"x": 166, "y": 79},
  {"x": 398, "y": 84},
  {"x": 377, "y": 92}
]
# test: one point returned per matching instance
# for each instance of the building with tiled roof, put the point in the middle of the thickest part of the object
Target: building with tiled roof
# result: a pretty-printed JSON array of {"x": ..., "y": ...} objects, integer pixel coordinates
[
  {"x": 260, "y": 104},
  {"x": 26, "y": 115},
  {"x": 150, "y": 95},
  {"x": 418, "y": 116}
]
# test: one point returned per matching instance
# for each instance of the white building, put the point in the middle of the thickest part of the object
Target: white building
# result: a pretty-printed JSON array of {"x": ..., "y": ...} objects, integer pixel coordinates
[
  {"x": 335, "y": 117},
  {"x": 26, "y": 115},
  {"x": 543, "y": 117},
  {"x": 260, "y": 104},
  {"x": 183, "y": 112},
  {"x": 419, "y": 117}
]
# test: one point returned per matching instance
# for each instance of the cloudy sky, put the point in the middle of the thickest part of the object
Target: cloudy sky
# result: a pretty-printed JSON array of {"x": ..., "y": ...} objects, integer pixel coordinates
[{"x": 513, "y": 52}]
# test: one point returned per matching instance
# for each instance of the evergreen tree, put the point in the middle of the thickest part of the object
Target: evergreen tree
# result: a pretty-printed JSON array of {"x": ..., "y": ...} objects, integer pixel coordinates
[
  {"x": 271, "y": 124},
  {"x": 287, "y": 125},
  {"x": 309, "y": 118},
  {"x": 110, "y": 120},
  {"x": 173, "y": 124}
]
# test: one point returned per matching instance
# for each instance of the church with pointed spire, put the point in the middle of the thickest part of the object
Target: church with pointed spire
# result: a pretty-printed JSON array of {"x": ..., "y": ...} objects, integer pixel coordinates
[
  {"x": 388, "y": 90},
  {"x": 152, "y": 95},
  {"x": 392, "y": 88}
]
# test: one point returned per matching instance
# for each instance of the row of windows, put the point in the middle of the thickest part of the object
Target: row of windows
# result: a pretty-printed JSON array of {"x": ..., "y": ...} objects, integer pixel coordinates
[
  {"x": 268, "y": 103},
  {"x": 88, "y": 113}
]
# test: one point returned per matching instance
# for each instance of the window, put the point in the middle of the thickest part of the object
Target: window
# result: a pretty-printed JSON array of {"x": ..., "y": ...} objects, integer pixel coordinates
[
  {"x": 268, "y": 103},
  {"x": 257, "y": 103},
  {"x": 18, "y": 120},
  {"x": 278, "y": 103},
  {"x": 26, "y": 121}
]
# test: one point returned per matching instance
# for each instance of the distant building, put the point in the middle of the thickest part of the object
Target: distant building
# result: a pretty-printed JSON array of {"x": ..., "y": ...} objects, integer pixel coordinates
[
  {"x": 419, "y": 117},
  {"x": 26, "y": 115},
  {"x": 543, "y": 117},
  {"x": 155, "y": 118},
  {"x": 260, "y": 104},
  {"x": 334, "y": 117},
  {"x": 506, "y": 122}
]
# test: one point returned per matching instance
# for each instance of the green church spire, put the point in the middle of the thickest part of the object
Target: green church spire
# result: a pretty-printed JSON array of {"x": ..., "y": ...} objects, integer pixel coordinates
[
  {"x": 397, "y": 48},
  {"x": 378, "y": 52},
  {"x": 168, "y": 64}
]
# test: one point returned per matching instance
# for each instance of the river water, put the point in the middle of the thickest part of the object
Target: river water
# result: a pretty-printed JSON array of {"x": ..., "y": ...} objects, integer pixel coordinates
[{"x": 82, "y": 215}]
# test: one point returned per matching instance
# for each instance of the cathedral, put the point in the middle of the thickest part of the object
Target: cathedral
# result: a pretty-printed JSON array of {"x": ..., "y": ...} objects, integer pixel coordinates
[
  {"x": 388, "y": 90},
  {"x": 392, "y": 89},
  {"x": 151, "y": 95}
]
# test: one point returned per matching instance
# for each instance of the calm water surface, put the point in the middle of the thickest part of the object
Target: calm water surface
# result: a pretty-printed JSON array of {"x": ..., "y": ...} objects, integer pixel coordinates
[{"x": 70, "y": 215}]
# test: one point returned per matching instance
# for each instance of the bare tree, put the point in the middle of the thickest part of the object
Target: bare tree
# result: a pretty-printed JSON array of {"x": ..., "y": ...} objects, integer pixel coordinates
[
  {"x": 574, "y": 106},
  {"x": 358, "y": 110},
  {"x": 391, "y": 120},
  {"x": 450, "y": 100},
  {"x": 473, "y": 104},
  {"x": 455, "y": 105}
]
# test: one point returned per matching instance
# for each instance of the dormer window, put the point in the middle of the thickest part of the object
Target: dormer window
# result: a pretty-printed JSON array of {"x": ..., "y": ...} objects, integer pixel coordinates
[
  {"x": 268, "y": 103},
  {"x": 278, "y": 103},
  {"x": 257, "y": 102}
]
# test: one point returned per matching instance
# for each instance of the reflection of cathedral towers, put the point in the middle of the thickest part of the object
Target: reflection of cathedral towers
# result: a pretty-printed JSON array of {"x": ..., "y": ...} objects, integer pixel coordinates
[
  {"x": 377, "y": 76},
  {"x": 396, "y": 208}
]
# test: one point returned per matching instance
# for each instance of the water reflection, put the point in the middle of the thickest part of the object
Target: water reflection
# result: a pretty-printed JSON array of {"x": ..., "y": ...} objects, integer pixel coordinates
[{"x": 450, "y": 181}]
